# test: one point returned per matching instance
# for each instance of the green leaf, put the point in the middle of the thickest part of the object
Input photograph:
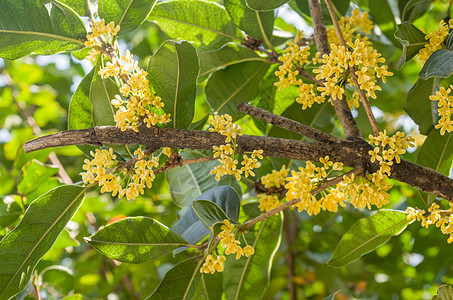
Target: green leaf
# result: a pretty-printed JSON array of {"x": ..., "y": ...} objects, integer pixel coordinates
[
  {"x": 58, "y": 29},
  {"x": 79, "y": 6},
  {"x": 234, "y": 84},
  {"x": 437, "y": 152},
  {"x": 34, "y": 174},
  {"x": 180, "y": 282},
  {"x": 248, "y": 277},
  {"x": 208, "y": 212},
  {"x": 173, "y": 72},
  {"x": 341, "y": 6},
  {"x": 129, "y": 14},
  {"x": 189, "y": 181},
  {"x": 191, "y": 228},
  {"x": 60, "y": 278},
  {"x": 258, "y": 25},
  {"x": 10, "y": 211},
  {"x": 415, "y": 9},
  {"x": 332, "y": 296},
  {"x": 228, "y": 55},
  {"x": 265, "y": 5},
  {"x": 42, "y": 223},
  {"x": 367, "y": 234},
  {"x": 412, "y": 39},
  {"x": 135, "y": 240},
  {"x": 444, "y": 292},
  {"x": 205, "y": 24},
  {"x": 439, "y": 64},
  {"x": 209, "y": 287},
  {"x": 418, "y": 105},
  {"x": 383, "y": 16}
]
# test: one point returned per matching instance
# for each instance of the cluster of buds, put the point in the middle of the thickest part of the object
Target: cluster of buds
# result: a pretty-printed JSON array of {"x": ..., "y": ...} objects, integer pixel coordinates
[{"x": 441, "y": 218}]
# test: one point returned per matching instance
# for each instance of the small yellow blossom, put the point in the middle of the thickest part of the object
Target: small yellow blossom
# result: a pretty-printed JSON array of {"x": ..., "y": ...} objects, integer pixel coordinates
[{"x": 445, "y": 104}]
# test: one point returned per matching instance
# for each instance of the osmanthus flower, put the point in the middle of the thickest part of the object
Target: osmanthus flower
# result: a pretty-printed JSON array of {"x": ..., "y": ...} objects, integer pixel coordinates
[
  {"x": 226, "y": 153},
  {"x": 436, "y": 40},
  {"x": 445, "y": 104},
  {"x": 443, "y": 219},
  {"x": 101, "y": 35},
  {"x": 212, "y": 264}
]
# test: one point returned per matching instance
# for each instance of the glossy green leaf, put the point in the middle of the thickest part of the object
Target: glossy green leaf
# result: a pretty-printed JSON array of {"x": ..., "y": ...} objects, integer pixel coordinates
[
  {"x": 34, "y": 174},
  {"x": 173, "y": 73},
  {"x": 189, "y": 181},
  {"x": 79, "y": 6},
  {"x": 415, "y": 9},
  {"x": 135, "y": 240},
  {"x": 382, "y": 15},
  {"x": 42, "y": 223},
  {"x": 265, "y": 5},
  {"x": 418, "y": 105},
  {"x": 60, "y": 278},
  {"x": 205, "y": 24},
  {"x": 412, "y": 39},
  {"x": 10, "y": 211},
  {"x": 439, "y": 64},
  {"x": 444, "y": 292},
  {"x": 234, "y": 84},
  {"x": 59, "y": 28},
  {"x": 208, "y": 212},
  {"x": 248, "y": 277},
  {"x": 228, "y": 55},
  {"x": 367, "y": 234},
  {"x": 191, "y": 228},
  {"x": 180, "y": 282},
  {"x": 437, "y": 152},
  {"x": 129, "y": 14},
  {"x": 258, "y": 25}
]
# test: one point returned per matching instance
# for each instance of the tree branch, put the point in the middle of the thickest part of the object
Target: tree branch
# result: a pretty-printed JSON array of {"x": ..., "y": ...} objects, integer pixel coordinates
[
  {"x": 342, "y": 110},
  {"x": 351, "y": 153}
]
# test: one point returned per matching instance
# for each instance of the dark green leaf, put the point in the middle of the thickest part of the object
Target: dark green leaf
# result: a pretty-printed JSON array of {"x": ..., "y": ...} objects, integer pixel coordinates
[
  {"x": 173, "y": 72},
  {"x": 444, "y": 292},
  {"x": 135, "y": 240},
  {"x": 368, "y": 234},
  {"x": 340, "y": 5},
  {"x": 383, "y": 16},
  {"x": 415, "y": 9},
  {"x": 205, "y": 24},
  {"x": 10, "y": 211},
  {"x": 248, "y": 277},
  {"x": 34, "y": 174},
  {"x": 180, "y": 282},
  {"x": 42, "y": 223},
  {"x": 258, "y": 25},
  {"x": 234, "y": 84},
  {"x": 190, "y": 226},
  {"x": 437, "y": 152},
  {"x": 58, "y": 29},
  {"x": 418, "y": 105},
  {"x": 412, "y": 39},
  {"x": 198, "y": 125},
  {"x": 228, "y": 55},
  {"x": 208, "y": 212},
  {"x": 439, "y": 64},
  {"x": 189, "y": 181},
  {"x": 265, "y": 5},
  {"x": 209, "y": 287},
  {"x": 59, "y": 277},
  {"x": 129, "y": 14}
]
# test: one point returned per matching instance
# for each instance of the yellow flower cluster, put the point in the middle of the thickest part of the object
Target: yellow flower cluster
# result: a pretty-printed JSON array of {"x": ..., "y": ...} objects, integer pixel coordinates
[
  {"x": 274, "y": 180},
  {"x": 225, "y": 126},
  {"x": 231, "y": 246},
  {"x": 389, "y": 149},
  {"x": 436, "y": 40},
  {"x": 301, "y": 183},
  {"x": 295, "y": 57},
  {"x": 445, "y": 104},
  {"x": 212, "y": 265},
  {"x": 101, "y": 35},
  {"x": 140, "y": 105},
  {"x": 350, "y": 26},
  {"x": 103, "y": 165},
  {"x": 442, "y": 219}
]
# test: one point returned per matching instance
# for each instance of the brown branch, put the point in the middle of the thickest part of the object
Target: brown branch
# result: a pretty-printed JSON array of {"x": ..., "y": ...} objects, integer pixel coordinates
[
  {"x": 341, "y": 107},
  {"x": 309, "y": 76},
  {"x": 351, "y": 153},
  {"x": 287, "y": 124},
  {"x": 352, "y": 70}
]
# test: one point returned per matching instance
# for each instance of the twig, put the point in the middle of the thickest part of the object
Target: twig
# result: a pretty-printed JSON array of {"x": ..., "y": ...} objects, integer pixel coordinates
[
  {"x": 352, "y": 70},
  {"x": 309, "y": 76},
  {"x": 341, "y": 107},
  {"x": 287, "y": 124}
]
